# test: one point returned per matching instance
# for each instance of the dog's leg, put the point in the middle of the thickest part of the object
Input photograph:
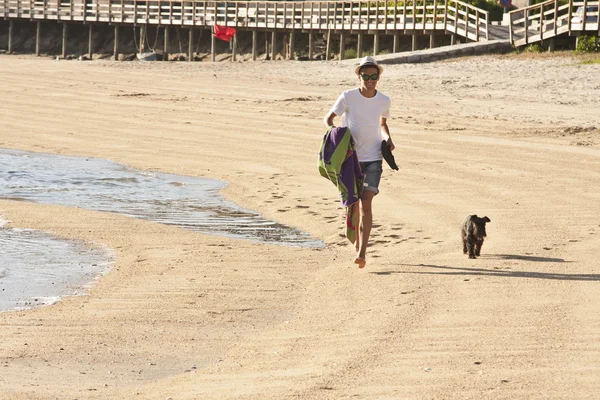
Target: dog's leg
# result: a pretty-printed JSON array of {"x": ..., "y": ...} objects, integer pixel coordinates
[
  {"x": 465, "y": 250},
  {"x": 478, "y": 245},
  {"x": 471, "y": 246}
]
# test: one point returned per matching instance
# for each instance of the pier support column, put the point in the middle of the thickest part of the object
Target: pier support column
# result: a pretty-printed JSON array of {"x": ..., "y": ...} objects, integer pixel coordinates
[
  {"x": 291, "y": 53},
  {"x": 431, "y": 41},
  {"x": 414, "y": 42},
  {"x": 64, "y": 41},
  {"x": 551, "y": 45},
  {"x": 328, "y": 45},
  {"x": 376, "y": 43},
  {"x": 11, "y": 32},
  {"x": 38, "y": 30},
  {"x": 191, "y": 45},
  {"x": 310, "y": 46},
  {"x": 166, "y": 45},
  {"x": 233, "y": 48},
  {"x": 254, "y": 37},
  {"x": 212, "y": 47},
  {"x": 90, "y": 41},
  {"x": 116, "y": 44},
  {"x": 359, "y": 48},
  {"x": 396, "y": 42},
  {"x": 273, "y": 45},
  {"x": 142, "y": 39},
  {"x": 342, "y": 45},
  {"x": 452, "y": 40}
]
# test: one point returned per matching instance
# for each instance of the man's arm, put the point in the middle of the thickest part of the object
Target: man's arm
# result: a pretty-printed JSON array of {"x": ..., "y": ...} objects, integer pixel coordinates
[
  {"x": 386, "y": 133},
  {"x": 328, "y": 120}
]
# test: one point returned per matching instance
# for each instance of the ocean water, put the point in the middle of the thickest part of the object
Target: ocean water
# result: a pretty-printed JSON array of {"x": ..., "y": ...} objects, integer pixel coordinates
[{"x": 32, "y": 263}]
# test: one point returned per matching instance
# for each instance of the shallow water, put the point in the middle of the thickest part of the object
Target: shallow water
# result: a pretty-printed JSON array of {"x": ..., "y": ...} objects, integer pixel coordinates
[
  {"x": 37, "y": 269},
  {"x": 103, "y": 185}
]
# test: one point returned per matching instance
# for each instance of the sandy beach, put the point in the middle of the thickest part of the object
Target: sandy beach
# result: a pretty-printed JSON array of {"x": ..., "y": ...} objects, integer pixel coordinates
[{"x": 183, "y": 315}]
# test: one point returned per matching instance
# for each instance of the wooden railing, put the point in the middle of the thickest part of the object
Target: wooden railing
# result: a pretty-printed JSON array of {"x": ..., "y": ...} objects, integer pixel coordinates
[
  {"x": 551, "y": 18},
  {"x": 451, "y": 16}
]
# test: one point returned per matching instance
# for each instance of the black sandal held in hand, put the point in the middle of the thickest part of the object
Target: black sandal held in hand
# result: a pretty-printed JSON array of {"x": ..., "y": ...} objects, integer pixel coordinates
[{"x": 387, "y": 155}]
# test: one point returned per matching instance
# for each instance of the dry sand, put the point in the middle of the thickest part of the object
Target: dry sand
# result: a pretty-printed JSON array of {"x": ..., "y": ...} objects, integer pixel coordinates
[{"x": 188, "y": 316}]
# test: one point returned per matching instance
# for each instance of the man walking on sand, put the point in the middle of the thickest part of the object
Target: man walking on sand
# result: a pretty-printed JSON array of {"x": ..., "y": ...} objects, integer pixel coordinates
[{"x": 365, "y": 111}]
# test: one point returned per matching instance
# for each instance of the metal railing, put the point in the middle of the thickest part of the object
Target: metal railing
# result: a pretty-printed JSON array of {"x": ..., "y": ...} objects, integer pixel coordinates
[
  {"x": 551, "y": 18},
  {"x": 451, "y": 16}
]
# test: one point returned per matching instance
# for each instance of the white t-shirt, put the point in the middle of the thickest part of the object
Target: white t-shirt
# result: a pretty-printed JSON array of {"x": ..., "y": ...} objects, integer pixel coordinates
[{"x": 362, "y": 116}]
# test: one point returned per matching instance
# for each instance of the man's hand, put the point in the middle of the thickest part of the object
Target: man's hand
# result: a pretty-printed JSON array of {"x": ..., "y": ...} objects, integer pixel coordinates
[{"x": 391, "y": 144}]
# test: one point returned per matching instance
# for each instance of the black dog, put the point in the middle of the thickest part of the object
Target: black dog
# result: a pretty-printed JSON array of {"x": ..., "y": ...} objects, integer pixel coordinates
[{"x": 473, "y": 233}]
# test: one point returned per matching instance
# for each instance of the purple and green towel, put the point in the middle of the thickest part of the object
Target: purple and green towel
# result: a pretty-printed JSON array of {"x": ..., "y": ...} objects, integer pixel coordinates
[{"x": 338, "y": 162}]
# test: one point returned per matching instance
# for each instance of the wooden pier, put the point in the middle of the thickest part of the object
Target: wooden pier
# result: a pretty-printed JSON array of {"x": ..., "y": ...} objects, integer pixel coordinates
[
  {"x": 550, "y": 19},
  {"x": 414, "y": 18}
]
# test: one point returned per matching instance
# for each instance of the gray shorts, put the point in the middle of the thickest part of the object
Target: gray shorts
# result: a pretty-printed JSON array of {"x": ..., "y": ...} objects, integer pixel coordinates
[{"x": 372, "y": 171}]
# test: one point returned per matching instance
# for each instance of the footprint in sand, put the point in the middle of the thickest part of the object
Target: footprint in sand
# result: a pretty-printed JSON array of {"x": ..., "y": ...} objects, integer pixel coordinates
[{"x": 300, "y": 206}]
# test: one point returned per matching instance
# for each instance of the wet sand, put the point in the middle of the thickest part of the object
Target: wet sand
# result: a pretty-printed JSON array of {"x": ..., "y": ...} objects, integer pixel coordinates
[{"x": 184, "y": 315}]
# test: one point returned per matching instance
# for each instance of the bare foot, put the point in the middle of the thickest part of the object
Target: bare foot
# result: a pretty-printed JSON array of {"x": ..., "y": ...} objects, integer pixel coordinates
[{"x": 360, "y": 261}]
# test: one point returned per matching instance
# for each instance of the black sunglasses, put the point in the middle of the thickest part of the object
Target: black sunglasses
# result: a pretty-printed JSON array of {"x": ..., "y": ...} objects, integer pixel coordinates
[{"x": 372, "y": 77}]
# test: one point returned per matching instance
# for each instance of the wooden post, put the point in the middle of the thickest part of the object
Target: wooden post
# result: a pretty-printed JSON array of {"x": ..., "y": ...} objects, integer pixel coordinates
[
  {"x": 542, "y": 21},
  {"x": 466, "y": 25},
  {"x": 452, "y": 39},
  {"x": 431, "y": 40},
  {"x": 267, "y": 51},
  {"x": 414, "y": 42},
  {"x": 212, "y": 46},
  {"x": 191, "y": 45},
  {"x": 376, "y": 43},
  {"x": 142, "y": 38},
  {"x": 233, "y": 49},
  {"x": 328, "y": 45},
  {"x": 64, "y": 41},
  {"x": 291, "y": 45},
  {"x": 38, "y": 31},
  {"x": 526, "y": 25},
  {"x": 166, "y": 45},
  {"x": 310, "y": 45},
  {"x": 477, "y": 25},
  {"x": 342, "y": 45},
  {"x": 116, "y": 44},
  {"x": 90, "y": 41},
  {"x": 396, "y": 42},
  {"x": 254, "y": 35},
  {"x": 273, "y": 45},
  {"x": 359, "y": 46},
  {"x": 11, "y": 31}
]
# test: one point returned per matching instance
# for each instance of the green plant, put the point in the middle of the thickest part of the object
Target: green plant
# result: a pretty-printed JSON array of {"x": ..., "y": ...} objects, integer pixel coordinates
[
  {"x": 350, "y": 54},
  {"x": 596, "y": 61},
  {"x": 588, "y": 44},
  {"x": 534, "y": 48}
]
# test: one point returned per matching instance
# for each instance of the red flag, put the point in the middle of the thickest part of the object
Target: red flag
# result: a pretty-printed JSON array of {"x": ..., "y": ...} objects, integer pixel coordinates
[{"x": 224, "y": 32}]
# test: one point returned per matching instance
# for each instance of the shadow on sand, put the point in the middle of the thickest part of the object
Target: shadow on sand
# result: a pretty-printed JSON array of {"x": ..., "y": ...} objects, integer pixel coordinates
[{"x": 447, "y": 270}]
